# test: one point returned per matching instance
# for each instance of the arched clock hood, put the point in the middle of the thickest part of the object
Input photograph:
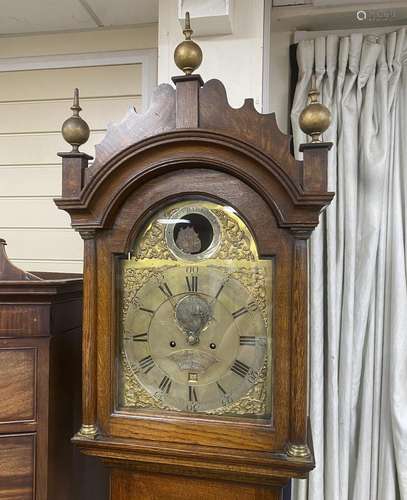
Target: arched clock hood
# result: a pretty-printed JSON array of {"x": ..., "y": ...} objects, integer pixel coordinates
[{"x": 201, "y": 128}]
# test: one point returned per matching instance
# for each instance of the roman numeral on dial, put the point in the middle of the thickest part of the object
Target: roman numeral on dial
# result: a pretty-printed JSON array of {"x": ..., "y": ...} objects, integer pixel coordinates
[
  {"x": 146, "y": 364},
  {"x": 247, "y": 340},
  {"x": 165, "y": 289},
  {"x": 192, "y": 283},
  {"x": 192, "y": 396},
  {"x": 240, "y": 368},
  {"x": 222, "y": 390},
  {"x": 239, "y": 312},
  {"x": 252, "y": 306},
  {"x": 140, "y": 337},
  {"x": 165, "y": 384},
  {"x": 219, "y": 291},
  {"x": 149, "y": 311}
]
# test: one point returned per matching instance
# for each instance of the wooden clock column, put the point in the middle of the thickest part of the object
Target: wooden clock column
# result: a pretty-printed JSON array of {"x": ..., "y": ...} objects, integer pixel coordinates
[{"x": 191, "y": 145}]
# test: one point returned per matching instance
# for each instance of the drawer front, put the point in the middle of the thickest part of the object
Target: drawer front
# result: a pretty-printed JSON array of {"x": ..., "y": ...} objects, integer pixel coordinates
[
  {"x": 17, "y": 467},
  {"x": 18, "y": 381},
  {"x": 24, "y": 320}
]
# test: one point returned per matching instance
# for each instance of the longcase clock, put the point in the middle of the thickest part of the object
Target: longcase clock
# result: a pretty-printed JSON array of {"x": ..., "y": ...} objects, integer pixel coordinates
[{"x": 195, "y": 218}]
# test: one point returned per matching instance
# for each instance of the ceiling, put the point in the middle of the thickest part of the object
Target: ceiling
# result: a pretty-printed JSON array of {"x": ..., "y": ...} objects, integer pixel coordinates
[{"x": 40, "y": 16}]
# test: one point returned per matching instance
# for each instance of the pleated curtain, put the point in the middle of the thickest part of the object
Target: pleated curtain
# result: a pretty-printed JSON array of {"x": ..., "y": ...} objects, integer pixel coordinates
[{"x": 358, "y": 270}]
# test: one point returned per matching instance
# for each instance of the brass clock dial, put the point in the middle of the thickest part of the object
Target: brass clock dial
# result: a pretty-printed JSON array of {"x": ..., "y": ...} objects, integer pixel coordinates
[
  {"x": 195, "y": 338},
  {"x": 195, "y": 326}
]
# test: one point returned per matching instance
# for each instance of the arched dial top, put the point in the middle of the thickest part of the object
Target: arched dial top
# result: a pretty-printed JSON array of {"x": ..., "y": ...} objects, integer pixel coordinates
[{"x": 195, "y": 315}]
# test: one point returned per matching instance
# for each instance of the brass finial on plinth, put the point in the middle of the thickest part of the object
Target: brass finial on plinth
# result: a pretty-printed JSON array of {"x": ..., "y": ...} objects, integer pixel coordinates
[
  {"x": 75, "y": 130},
  {"x": 188, "y": 54},
  {"x": 314, "y": 118}
]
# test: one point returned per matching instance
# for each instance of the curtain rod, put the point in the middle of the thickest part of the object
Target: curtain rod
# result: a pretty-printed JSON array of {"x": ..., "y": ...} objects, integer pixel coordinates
[{"x": 310, "y": 35}]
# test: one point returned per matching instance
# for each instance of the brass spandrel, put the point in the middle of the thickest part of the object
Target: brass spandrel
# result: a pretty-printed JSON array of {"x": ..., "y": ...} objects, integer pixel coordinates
[
  {"x": 237, "y": 242},
  {"x": 152, "y": 245}
]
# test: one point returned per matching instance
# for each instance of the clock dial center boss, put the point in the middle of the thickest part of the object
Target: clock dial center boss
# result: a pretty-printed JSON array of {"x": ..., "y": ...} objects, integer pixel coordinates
[
  {"x": 195, "y": 318},
  {"x": 193, "y": 314}
]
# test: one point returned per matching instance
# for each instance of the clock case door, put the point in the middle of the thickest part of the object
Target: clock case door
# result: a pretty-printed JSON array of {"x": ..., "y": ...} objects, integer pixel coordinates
[{"x": 204, "y": 149}]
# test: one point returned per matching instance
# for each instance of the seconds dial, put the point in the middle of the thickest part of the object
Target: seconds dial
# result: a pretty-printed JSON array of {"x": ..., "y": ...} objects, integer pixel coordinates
[{"x": 195, "y": 338}]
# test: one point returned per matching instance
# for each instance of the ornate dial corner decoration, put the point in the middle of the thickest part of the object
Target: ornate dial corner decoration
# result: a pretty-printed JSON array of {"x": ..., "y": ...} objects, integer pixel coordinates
[
  {"x": 255, "y": 282},
  {"x": 134, "y": 279},
  {"x": 235, "y": 239},
  {"x": 133, "y": 393},
  {"x": 253, "y": 403},
  {"x": 153, "y": 245}
]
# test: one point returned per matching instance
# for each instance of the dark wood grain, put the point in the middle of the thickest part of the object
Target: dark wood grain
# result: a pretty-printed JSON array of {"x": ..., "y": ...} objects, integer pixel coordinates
[
  {"x": 73, "y": 175},
  {"x": 40, "y": 389},
  {"x": 89, "y": 330},
  {"x": 160, "y": 117},
  {"x": 246, "y": 124},
  {"x": 17, "y": 466},
  {"x": 314, "y": 175},
  {"x": 13, "y": 320},
  {"x": 18, "y": 384},
  {"x": 145, "y": 486},
  {"x": 298, "y": 433},
  {"x": 191, "y": 143},
  {"x": 187, "y": 101}
]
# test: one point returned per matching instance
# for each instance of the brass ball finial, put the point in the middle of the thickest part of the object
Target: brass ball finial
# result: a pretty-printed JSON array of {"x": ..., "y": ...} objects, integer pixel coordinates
[
  {"x": 188, "y": 54},
  {"x": 314, "y": 118},
  {"x": 75, "y": 130}
]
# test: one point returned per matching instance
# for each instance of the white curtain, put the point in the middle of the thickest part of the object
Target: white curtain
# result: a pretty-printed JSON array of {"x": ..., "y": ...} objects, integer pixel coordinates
[{"x": 358, "y": 270}]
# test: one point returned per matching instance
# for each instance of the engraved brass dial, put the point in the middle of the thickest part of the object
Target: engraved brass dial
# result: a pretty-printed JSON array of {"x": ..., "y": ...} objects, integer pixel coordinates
[
  {"x": 196, "y": 340},
  {"x": 195, "y": 329}
]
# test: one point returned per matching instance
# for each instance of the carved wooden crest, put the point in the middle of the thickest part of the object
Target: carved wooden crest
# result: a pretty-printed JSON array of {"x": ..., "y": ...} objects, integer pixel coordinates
[{"x": 195, "y": 116}]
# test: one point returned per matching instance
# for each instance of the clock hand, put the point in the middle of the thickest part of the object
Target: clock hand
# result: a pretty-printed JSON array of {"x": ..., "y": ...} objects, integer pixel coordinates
[
  {"x": 222, "y": 284},
  {"x": 165, "y": 289}
]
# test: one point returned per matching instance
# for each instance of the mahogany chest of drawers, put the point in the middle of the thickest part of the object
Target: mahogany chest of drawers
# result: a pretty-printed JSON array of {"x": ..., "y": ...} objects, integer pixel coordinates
[{"x": 40, "y": 386}]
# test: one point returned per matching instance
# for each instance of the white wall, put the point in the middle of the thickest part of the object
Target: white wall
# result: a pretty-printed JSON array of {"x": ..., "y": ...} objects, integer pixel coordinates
[
  {"x": 236, "y": 59},
  {"x": 280, "y": 77},
  {"x": 101, "y": 40},
  {"x": 33, "y": 105}
]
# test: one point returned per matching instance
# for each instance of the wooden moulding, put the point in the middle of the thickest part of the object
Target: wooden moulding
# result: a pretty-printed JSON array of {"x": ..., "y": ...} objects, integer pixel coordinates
[
  {"x": 314, "y": 176},
  {"x": 187, "y": 97},
  {"x": 73, "y": 172}
]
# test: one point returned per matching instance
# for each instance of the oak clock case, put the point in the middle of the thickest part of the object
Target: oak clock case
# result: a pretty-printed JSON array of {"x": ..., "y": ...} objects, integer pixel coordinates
[
  {"x": 195, "y": 308},
  {"x": 195, "y": 218}
]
